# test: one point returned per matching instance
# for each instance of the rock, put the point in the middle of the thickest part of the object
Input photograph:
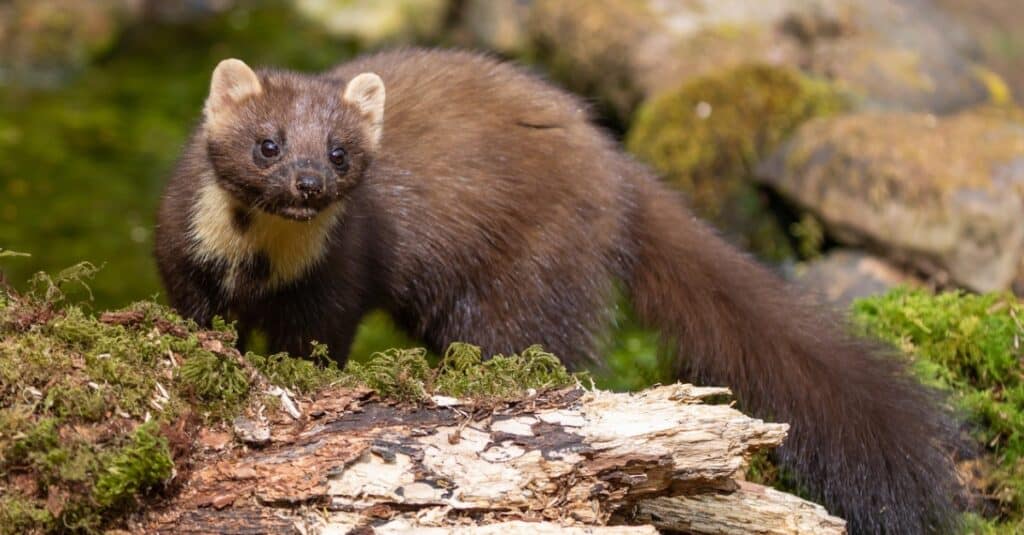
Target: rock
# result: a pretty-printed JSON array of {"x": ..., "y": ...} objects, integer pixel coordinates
[
  {"x": 905, "y": 55},
  {"x": 843, "y": 275},
  {"x": 707, "y": 137},
  {"x": 995, "y": 25},
  {"x": 41, "y": 41},
  {"x": 372, "y": 22},
  {"x": 1018, "y": 284},
  {"x": 944, "y": 195},
  {"x": 898, "y": 55}
]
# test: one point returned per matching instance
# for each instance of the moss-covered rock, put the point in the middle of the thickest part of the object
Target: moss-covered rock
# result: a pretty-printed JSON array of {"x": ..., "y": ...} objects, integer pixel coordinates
[
  {"x": 943, "y": 194},
  {"x": 586, "y": 45},
  {"x": 897, "y": 55},
  {"x": 708, "y": 137},
  {"x": 996, "y": 26}
]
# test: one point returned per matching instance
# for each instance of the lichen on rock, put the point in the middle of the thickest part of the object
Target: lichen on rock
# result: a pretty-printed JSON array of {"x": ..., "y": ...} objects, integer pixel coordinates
[
  {"x": 942, "y": 194},
  {"x": 708, "y": 136},
  {"x": 897, "y": 55}
]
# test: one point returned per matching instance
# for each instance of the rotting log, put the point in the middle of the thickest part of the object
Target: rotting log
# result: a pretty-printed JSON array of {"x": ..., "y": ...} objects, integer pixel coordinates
[
  {"x": 570, "y": 460},
  {"x": 751, "y": 508}
]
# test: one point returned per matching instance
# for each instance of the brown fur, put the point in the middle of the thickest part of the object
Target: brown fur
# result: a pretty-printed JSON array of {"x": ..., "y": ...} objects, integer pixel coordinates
[{"x": 493, "y": 212}]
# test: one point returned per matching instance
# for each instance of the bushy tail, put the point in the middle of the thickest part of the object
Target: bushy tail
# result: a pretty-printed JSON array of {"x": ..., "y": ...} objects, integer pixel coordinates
[{"x": 867, "y": 439}]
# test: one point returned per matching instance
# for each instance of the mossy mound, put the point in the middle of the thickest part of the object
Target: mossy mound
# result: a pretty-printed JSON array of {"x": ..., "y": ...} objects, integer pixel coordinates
[
  {"x": 95, "y": 409},
  {"x": 88, "y": 402},
  {"x": 708, "y": 136},
  {"x": 973, "y": 344}
]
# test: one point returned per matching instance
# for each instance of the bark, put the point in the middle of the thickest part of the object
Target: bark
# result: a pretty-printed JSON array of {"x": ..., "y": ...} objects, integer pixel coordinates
[{"x": 561, "y": 461}]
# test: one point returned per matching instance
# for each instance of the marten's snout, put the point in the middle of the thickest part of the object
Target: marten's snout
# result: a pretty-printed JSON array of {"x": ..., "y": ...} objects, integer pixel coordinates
[
  {"x": 300, "y": 189},
  {"x": 309, "y": 186}
]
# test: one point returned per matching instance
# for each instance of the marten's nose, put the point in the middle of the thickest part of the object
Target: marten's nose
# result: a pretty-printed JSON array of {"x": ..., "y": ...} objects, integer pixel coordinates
[{"x": 309, "y": 186}]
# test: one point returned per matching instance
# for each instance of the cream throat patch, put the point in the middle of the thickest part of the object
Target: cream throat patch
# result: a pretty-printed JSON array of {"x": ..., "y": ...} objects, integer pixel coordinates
[{"x": 291, "y": 247}]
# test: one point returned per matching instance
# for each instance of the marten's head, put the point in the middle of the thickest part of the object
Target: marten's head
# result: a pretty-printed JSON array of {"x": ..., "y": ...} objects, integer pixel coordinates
[{"x": 288, "y": 144}]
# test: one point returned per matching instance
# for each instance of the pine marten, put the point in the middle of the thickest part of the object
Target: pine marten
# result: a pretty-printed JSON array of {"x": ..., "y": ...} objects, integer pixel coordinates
[{"x": 477, "y": 203}]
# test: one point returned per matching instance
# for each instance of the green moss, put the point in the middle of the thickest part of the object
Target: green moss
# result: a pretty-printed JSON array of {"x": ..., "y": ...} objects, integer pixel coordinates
[
  {"x": 300, "y": 375},
  {"x": 66, "y": 467},
  {"x": 978, "y": 525},
  {"x": 809, "y": 234},
  {"x": 973, "y": 344},
  {"x": 41, "y": 437},
  {"x": 23, "y": 515},
  {"x": 708, "y": 136},
  {"x": 463, "y": 373},
  {"x": 407, "y": 375},
  {"x": 83, "y": 401},
  {"x": 140, "y": 465},
  {"x": 214, "y": 380},
  {"x": 395, "y": 373},
  {"x": 83, "y": 397},
  {"x": 53, "y": 289}
]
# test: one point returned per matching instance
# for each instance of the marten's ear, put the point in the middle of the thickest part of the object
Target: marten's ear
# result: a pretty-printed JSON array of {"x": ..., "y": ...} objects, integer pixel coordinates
[
  {"x": 366, "y": 93},
  {"x": 233, "y": 81}
]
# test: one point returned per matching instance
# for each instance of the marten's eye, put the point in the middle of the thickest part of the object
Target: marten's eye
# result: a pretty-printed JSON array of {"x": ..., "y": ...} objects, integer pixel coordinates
[
  {"x": 339, "y": 157},
  {"x": 269, "y": 149}
]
